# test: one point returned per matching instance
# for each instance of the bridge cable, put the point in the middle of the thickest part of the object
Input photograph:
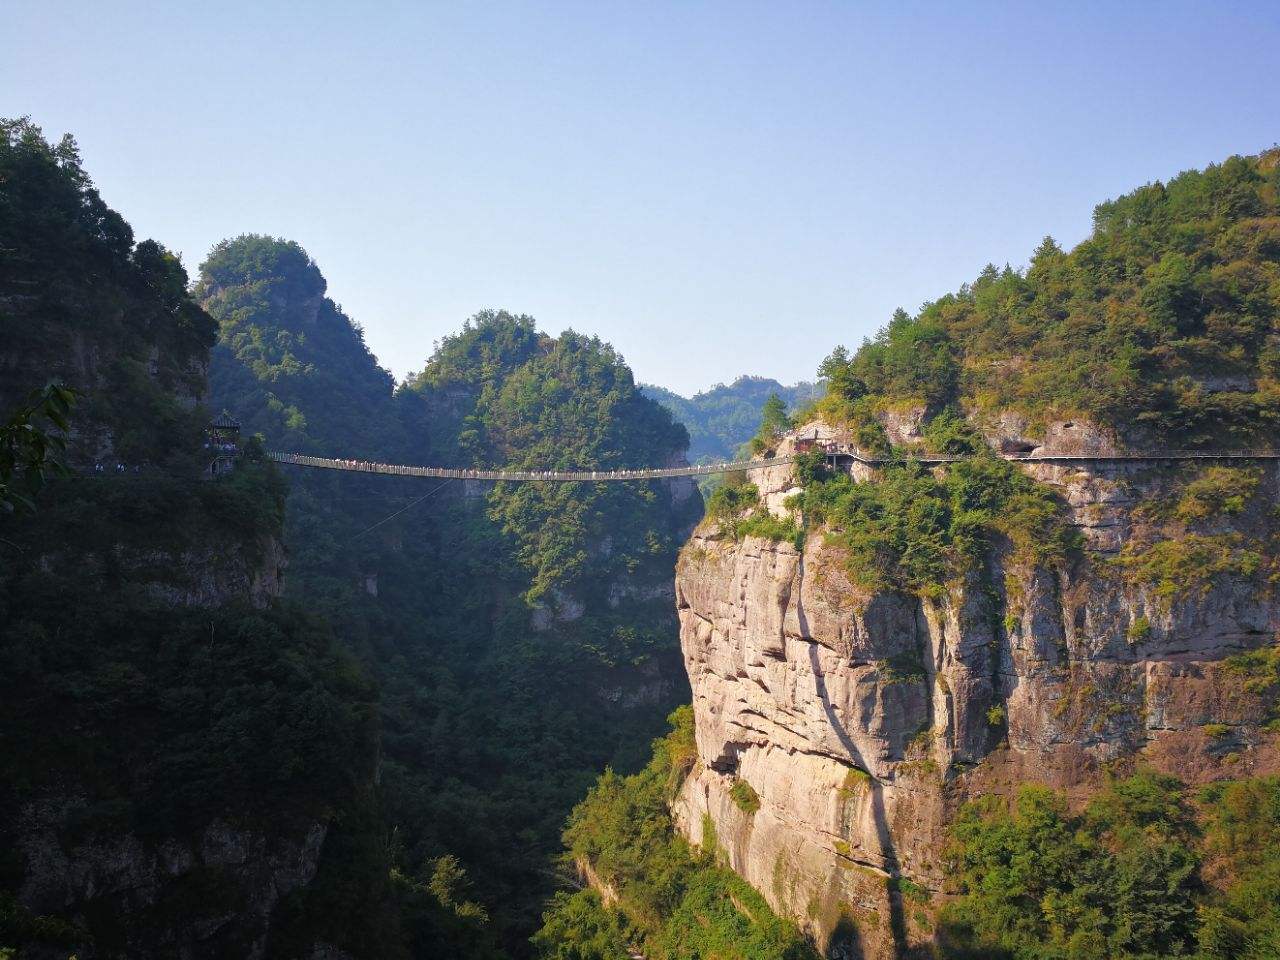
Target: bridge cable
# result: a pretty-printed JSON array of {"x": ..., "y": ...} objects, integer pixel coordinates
[{"x": 408, "y": 506}]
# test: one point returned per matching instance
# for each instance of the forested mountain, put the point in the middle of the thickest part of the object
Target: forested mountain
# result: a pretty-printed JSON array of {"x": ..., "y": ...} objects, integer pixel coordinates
[
  {"x": 987, "y": 709},
  {"x": 1162, "y": 323},
  {"x": 87, "y": 305},
  {"x": 175, "y": 744},
  {"x": 379, "y": 762},
  {"x": 722, "y": 419},
  {"x": 522, "y": 635}
]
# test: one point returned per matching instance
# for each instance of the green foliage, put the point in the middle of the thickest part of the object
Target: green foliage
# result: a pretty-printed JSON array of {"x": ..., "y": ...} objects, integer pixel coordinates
[
  {"x": 1139, "y": 630},
  {"x": 1260, "y": 668},
  {"x": 1038, "y": 882},
  {"x": 1240, "y": 919},
  {"x": 578, "y": 926},
  {"x": 573, "y": 405},
  {"x": 20, "y": 927},
  {"x": 675, "y": 902},
  {"x": 73, "y": 285},
  {"x": 154, "y": 718},
  {"x": 486, "y": 737},
  {"x": 289, "y": 363},
  {"x": 996, "y": 716},
  {"x": 744, "y": 796},
  {"x": 951, "y": 434},
  {"x": 1190, "y": 563},
  {"x": 735, "y": 497},
  {"x": 1165, "y": 316},
  {"x": 855, "y": 782},
  {"x": 903, "y": 668},
  {"x": 436, "y": 909},
  {"x": 1260, "y": 671},
  {"x": 774, "y": 422},
  {"x": 1218, "y": 490},
  {"x": 909, "y": 530},
  {"x": 1139, "y": 873},
  {"x": 732, "y": 498},
  {"x": 30, "y": 442}
]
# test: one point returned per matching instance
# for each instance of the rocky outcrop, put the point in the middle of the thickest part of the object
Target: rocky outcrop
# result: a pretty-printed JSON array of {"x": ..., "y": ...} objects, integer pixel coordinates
[
  {"x": 206, "y": 896},
  {"x": 862, "y": 719}
]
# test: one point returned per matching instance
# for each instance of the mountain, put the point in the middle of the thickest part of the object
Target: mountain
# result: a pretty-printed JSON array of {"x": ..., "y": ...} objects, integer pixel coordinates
[
  {"x": 722, "y": 419},
  {"x": 178, "y": 746},
  {"x": 314, "y": 715},
  {"x": 85, "y": 304},
  {"x": 987, "y": 708},
  {"x": 522, "y": 635}
]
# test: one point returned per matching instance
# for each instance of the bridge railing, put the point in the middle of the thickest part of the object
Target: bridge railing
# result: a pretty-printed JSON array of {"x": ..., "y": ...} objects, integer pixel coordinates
[
  {"x": 599, "y": 476},
  {"x": 573, "y": 476}
]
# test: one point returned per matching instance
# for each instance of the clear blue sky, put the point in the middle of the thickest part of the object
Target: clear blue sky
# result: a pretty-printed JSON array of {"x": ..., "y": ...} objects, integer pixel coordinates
[{"x": 714, "y": 188}]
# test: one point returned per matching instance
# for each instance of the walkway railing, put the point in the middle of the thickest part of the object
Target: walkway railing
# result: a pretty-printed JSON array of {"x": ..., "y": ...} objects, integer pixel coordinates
[
  {"x": 564, "y": 476},
  {"x": 601, "y": 476}
]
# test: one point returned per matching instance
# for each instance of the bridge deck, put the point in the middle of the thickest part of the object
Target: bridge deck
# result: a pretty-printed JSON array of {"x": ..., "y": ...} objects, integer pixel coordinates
[{"x": 600, "y": 476}]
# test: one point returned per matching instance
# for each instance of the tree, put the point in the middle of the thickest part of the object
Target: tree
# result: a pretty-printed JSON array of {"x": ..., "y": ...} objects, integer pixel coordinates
[
  {"x": 29, "y": 448},
  {"x": 774, "y": 422}
]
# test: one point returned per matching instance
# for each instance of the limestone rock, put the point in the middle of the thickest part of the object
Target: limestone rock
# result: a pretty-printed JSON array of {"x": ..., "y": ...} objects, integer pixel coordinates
[{"x": 862, "y": 720}]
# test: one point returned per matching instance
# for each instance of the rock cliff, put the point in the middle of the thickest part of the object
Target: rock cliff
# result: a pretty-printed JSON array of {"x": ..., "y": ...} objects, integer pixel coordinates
[{"x": 861, "y": 719}]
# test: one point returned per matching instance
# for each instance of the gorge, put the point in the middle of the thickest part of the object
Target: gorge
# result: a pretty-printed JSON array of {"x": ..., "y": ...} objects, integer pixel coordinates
[{"x": 972, "y": 708}]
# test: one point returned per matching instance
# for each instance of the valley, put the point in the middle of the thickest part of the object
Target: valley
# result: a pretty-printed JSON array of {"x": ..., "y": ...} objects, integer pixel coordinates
[{"x": 967, "y": 649}]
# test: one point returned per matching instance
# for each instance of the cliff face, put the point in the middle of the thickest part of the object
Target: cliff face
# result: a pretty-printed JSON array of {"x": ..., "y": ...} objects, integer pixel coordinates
[
  {"x": 204, "y": 895},
  {"x": 160, "y": 796},
  {"x": 862, "y": 719}
]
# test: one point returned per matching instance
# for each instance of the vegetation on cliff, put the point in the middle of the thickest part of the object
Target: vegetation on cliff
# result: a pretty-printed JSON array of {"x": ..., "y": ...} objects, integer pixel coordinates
[
  {"x": 32, "y": 442},
  {"x": 1164, "y": 318},
  {"x": 81, "y": 303},
  {"x": 178, "y": 750},
  {"x": 673, "y": 901},
  {"x": 1145, "y": 870},
  {"x": 913, "y": 529},
  {"x": 559, "y": 403},
  {"x": 519, "y": 634}
]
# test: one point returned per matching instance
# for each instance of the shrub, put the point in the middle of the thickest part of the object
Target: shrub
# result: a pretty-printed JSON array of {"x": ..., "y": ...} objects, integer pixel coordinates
[
  {"x": 1038, "y": 881},
  {"x": 774, "y": 422},
  {"x": 855, "y": 781},
  {"x": 1217, "y": 490},
  {"x": 912, "y": 531},
  {"x": 1189, "y": 563},
  {"x": 675, "y": 901},
  {"x": 732, "y": 498},
  {"x": 744, "y": 796}
]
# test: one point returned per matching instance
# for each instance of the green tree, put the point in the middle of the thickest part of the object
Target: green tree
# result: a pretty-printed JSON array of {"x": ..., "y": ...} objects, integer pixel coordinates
[
  {"x": 774, "y": 422},
  {"x": 30, "y": 442}
]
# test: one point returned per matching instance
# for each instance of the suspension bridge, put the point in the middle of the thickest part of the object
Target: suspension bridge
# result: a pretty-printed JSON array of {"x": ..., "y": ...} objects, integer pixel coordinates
[{"x": 836, "y": 457}]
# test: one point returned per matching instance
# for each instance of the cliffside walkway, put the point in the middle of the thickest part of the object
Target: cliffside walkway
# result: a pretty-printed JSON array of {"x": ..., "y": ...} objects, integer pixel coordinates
[{"x": 601, "y": 476}]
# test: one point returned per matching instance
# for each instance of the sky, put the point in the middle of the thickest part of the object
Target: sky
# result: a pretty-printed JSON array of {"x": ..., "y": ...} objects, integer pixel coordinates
[{"x": 715, "y": 188}]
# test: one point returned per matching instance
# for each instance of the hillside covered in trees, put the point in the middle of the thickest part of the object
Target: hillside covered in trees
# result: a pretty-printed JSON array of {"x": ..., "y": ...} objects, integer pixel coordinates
[
  {"x": 1164, "y": 327},
  {"x": 175, "y": 743},
  {"x": 522, "y": 635},
  {"x": 274, "y": 715},
  {"x": 1161, "y": 324},
  {"x": 334, "y": 716}
]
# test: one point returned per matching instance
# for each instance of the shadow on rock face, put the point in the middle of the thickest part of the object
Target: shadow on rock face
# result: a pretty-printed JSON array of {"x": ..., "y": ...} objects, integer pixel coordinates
[{"x": 897, "y": 920}]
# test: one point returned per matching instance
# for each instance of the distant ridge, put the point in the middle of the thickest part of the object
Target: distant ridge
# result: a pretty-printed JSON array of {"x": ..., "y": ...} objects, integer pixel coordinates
[{"x": 721, "y": 419}]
